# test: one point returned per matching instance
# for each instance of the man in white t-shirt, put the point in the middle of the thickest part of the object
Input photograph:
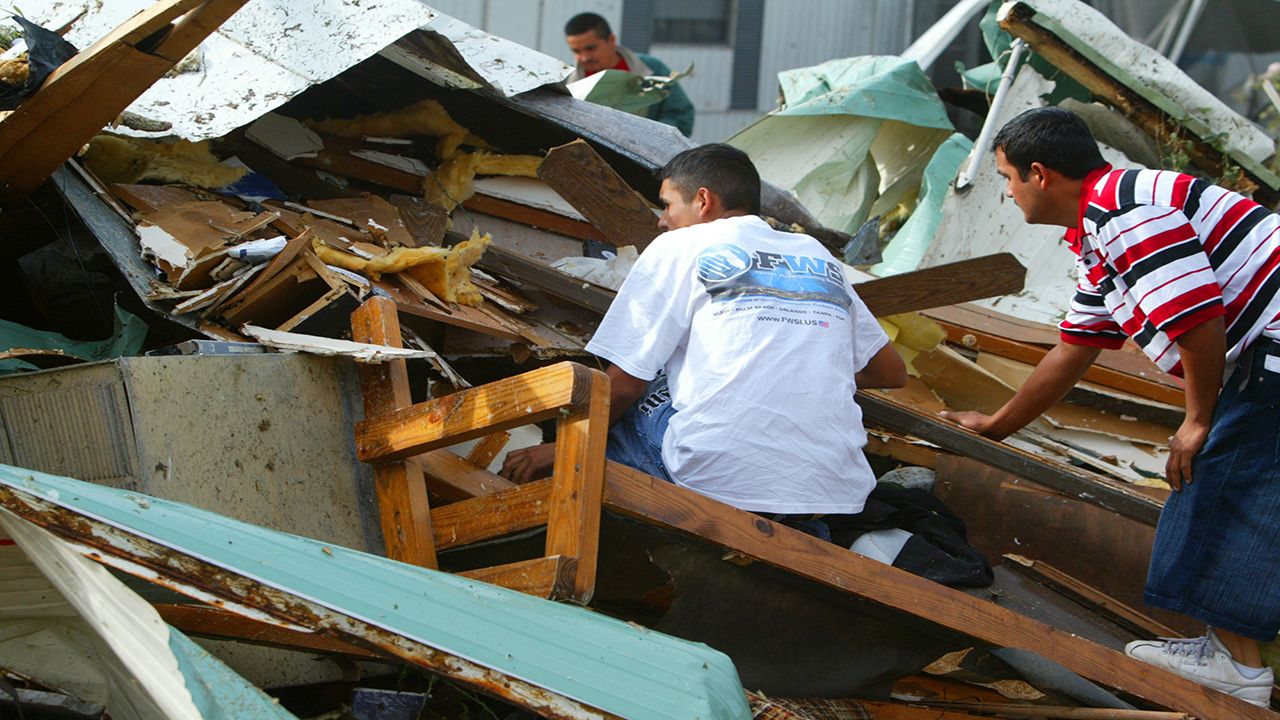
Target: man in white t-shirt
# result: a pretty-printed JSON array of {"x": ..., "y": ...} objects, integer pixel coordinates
[{"x": 735, "y": 352}]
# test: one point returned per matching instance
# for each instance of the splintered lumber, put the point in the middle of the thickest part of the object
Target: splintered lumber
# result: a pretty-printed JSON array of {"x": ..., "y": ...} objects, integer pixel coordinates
[
  {"x": 957, "y": 282},
  {"x": 596, "y": 190},
  {"x": 426, "y": 221},
  {"x": 317, "y": 345},
  {"x": 403, "y": 508},
  {"x": 96, "y": 85},
  {"x": 880, "y": 409},
  {"x": 988, "y": 331},
  {"x": 520, "y": 268},
  {"x": 660, "y": 503}
]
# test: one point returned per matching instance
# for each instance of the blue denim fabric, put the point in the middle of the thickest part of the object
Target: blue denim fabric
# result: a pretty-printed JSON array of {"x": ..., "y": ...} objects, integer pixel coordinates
[
  {"x": 1217, "y": 549},
  {"x": 636, "y": 439}
]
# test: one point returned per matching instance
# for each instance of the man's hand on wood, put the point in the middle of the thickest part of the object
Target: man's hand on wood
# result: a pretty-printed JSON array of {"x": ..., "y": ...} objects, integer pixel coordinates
[
  {"x": 970, "y": 419},
  {"x": 528, "y": 464}
]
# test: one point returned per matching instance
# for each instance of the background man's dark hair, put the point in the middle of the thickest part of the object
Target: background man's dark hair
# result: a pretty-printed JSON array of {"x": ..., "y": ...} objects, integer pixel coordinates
[
  {"x": 723, "y": 169},
  {"x": 587, "y": 22},
  {"x": 1053, "y": 137}
]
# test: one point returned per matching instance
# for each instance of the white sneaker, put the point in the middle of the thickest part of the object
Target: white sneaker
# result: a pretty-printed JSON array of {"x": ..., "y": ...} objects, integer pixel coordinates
[{"x": 1204, "y": 660}]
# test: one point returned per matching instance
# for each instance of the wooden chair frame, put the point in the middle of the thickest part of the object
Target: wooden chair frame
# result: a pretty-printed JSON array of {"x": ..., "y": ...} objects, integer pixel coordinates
[{"x": 583, "y": 483}]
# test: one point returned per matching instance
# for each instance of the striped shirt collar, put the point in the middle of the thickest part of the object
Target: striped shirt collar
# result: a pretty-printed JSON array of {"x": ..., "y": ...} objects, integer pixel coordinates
[{"x": 1075, "y": 236}]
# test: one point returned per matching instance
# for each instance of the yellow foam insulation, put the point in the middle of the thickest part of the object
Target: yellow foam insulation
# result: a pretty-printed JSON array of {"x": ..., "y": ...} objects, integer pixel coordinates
[
  {"x": 425, "y": 117},
  {"x": 15, "y": 71},
  {"x": 454, "y": 181},
  {"x": 446, "y": 272},
  {"x": 912, "y": 334},
  {"x": 126, "y": 160}
]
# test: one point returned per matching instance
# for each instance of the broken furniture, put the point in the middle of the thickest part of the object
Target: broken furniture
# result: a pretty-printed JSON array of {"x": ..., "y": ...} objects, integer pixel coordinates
[{"x": 584, "y": 486}]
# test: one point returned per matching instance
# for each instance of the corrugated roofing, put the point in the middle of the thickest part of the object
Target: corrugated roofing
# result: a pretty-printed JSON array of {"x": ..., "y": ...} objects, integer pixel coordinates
[{"x": 600, "y": 662}]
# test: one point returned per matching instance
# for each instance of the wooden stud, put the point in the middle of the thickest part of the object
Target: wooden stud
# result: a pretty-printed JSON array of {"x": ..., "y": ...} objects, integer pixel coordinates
[
  {"x": 531, "y": 397},
  {"x": 490, "y": 516},
  {"x": 573, "y": 516},
  {"x": 545, "y": 577},
  {"x": 216, "y": 622},
  {"x": 403, "y": 508},
  {"x": 650, "y": 500},
  {"x": 956, "y": 282},
  {"x": 1046, "y": 712},
  {"x": 487, "y": 449},
  {"x": 533, "y": 217},
  {"x": 593, "y": 188}
]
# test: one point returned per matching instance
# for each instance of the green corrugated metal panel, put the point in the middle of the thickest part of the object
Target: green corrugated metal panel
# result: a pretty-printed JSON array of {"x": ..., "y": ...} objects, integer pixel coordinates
[{"x": 598, "y": 661}]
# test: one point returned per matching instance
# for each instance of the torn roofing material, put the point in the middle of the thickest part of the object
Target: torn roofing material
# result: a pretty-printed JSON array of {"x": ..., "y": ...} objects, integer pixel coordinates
[
  {"x": 271, "y": 50},
  {"x": 555, "y": 659},
  {"x": 1082, "y": 42},
  {"x": 71, "y": 624}
]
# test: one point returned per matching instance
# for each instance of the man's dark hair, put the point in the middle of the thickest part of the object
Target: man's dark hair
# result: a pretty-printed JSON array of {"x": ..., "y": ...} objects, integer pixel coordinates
[
  {"x": 723, "y": 169},
  {"x": 587, "y": 22},
  {"x": 1053, "y": 137}
]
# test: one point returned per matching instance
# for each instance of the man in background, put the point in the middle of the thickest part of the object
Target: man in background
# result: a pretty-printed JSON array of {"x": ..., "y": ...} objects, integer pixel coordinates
[{"x": 595, "y": 48}]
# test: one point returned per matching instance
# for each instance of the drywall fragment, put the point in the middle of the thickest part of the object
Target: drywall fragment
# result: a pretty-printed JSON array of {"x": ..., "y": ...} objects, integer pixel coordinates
[
  {"x": 316, "y": 345},
  {"x": 284, "y": 136}
]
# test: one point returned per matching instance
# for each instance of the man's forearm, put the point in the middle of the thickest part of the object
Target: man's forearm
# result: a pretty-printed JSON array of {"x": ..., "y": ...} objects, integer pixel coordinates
[
  {"x": 1056, "y": 374},
  {"x": 1204, "y": 351}
]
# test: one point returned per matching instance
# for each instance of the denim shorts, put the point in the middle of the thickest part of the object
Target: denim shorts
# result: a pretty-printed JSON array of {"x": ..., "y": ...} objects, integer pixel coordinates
[
  {"x": 636, "y": 439},
  {"x": 1217, "y": 549}
]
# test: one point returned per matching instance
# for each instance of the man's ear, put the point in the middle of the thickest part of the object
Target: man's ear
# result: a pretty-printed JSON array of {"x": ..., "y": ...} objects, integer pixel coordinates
[
  {"x": 707, "y": 201},
  {"x": 1040, "y": 175}
]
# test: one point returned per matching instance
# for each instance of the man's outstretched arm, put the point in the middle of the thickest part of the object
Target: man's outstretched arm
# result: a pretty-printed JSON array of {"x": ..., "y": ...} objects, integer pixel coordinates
[
  {"x": 1056, "y": 374},
  {"x": 531, "y": 463}
]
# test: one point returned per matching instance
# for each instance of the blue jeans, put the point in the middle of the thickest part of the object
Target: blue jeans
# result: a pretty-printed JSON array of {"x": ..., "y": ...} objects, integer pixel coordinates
[
  {"x": 1217, "y": 549},
  {"x": 636, "y": 439}
]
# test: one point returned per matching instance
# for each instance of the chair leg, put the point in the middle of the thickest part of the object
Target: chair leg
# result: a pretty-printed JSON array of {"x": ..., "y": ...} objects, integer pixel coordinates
[
  {"x": 404, "y": 510},
  {"x": 577, "y": 486}
]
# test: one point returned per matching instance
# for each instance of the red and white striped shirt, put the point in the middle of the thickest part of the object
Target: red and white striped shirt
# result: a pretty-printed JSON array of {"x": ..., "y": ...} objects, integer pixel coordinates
[{"x": 1160, "y": 253}]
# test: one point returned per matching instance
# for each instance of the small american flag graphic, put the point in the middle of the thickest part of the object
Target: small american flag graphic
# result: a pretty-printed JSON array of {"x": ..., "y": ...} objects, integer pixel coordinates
[{"x": 824, "y": 323}]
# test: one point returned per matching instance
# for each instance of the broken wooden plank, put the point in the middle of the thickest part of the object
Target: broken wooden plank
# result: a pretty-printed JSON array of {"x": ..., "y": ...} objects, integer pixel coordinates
[
  {"x": 1036, "y": 712},
  {"x": 426, "y": 221},
  {"x": 880, "y": 409},
  {"x": 525, "y": 270},
  {"x": 79, "y": 98},
  {"x": 487, "y": 449},
  {"x": 957, "y": 282},
  {"x": 316, "y": 345},
  {"x": 657, "y": 502},
  {"x": 581, "y": 176},
  {"x": 404, "y": 511},
  {"x": 544, "y": 577},
  {"x": 533, "y": 217}
]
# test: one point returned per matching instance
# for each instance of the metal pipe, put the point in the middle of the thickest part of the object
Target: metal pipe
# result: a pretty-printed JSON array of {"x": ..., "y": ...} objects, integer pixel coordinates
[
  {"x": 989, "y": 127},
  {"x": 1184, "y": 34}
]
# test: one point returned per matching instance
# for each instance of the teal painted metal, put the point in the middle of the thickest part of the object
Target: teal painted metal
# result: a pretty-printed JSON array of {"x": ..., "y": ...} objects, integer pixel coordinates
[
  {"x": 597, "y": 661},
  {"x": 217, "y": 691}
]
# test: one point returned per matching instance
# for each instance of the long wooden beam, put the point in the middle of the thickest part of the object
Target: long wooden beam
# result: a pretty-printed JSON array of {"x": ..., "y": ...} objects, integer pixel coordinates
[
  {"x": 491, "y": 516},
  {"x": 957, "y": 282},
  {"x": 531, "y": 397},
  {"x": 653, "y": 501},
  {"x": 882, "y": 410},
  {"x": 78, "y": 99}
]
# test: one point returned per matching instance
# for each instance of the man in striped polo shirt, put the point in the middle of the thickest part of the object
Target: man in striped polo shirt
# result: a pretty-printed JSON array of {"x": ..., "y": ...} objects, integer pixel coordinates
[{"x": 1188, "y": 270}]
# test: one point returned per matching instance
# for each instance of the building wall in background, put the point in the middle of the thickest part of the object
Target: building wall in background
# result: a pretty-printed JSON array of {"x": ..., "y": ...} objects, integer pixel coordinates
[{"x": 791, "y": 34}]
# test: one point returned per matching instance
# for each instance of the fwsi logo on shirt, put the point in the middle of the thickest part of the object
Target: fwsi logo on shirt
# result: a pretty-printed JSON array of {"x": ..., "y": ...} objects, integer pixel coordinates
[{"x": 730, "y": 273}]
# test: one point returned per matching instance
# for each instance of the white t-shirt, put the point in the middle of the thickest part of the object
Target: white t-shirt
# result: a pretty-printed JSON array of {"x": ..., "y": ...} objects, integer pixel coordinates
[{"x": 760, "y": 334}]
